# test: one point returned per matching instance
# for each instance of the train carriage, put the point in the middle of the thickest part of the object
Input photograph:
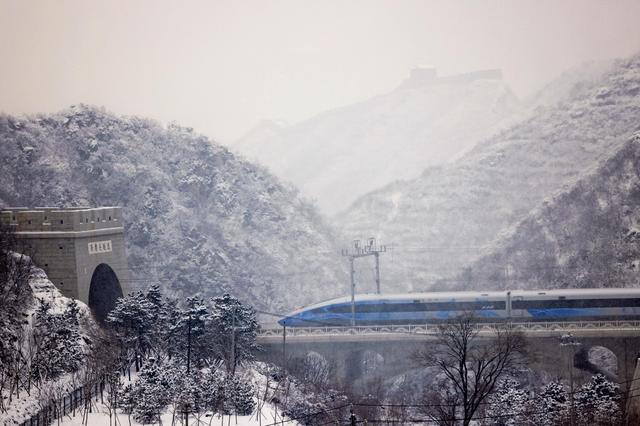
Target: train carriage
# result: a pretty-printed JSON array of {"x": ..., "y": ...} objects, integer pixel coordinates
[{"x": 519, "y": 305}]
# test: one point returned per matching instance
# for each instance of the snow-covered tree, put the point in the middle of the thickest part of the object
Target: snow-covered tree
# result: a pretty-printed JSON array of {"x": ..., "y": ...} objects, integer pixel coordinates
[
  {"x": 126, "y": 399},
  {"x": 132, "y": 321},
  {"x": 598, "y": 401},
  {"x": 151, "y": 393},
  {"x": 551, "y": 405},
  {"x": 57, "y": 342},
  {"x": 214, "y": 381},
  {"x": 507, "y": 405},
  {"x": 239, "y": 395},
  {"x": 188, "y": 332},
  {"x": 233, "y": 331}
]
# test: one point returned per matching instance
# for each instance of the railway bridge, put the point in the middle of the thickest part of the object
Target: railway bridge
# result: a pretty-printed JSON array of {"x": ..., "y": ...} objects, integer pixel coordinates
[{"x": 359, "y": 354}]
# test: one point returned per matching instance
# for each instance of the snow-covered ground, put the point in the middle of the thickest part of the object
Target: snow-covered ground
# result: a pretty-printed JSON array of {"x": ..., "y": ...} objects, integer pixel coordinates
[{"x": 267, "y": 416}]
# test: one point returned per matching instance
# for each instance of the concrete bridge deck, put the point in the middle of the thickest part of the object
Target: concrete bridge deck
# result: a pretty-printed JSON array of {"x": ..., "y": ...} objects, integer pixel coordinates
[{"x": 546, "y": 329}]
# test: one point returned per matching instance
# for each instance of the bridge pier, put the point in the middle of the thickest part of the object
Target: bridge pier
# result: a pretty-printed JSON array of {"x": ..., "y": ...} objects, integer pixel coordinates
[{"x": 360, "y": 355}]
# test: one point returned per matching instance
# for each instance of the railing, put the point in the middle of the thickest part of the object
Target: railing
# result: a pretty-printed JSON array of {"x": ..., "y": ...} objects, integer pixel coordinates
[
  {"x": 432, "y": 329},
  {"x": 77, "y": 399}
]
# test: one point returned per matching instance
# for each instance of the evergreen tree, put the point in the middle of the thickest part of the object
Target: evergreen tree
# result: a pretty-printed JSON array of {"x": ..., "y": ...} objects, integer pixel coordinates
[
  {"x": 508, "y": 399},
  {"x": 214, "y": 382},
  {"x": 57, "y": 341},
  {"x": 126, "y": 398},
  {"x": 151, "y": 393},
  {"x": 72, "y": 314},
  {"x": 551, "y": 405},
  {"x": 132, "y": 321},
  {"x": 240, "y": 396},
  {"x": 598, "y": 401},
  {"x": 155, "y": 302},
  {"x": 234, "y": 328},
  {"x": 189, "y": 333},
  {"x": 192, "y": 395}
]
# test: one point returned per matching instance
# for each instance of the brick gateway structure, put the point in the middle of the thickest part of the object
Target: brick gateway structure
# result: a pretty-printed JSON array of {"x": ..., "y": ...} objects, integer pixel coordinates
[{"x": 82, "y": 250}]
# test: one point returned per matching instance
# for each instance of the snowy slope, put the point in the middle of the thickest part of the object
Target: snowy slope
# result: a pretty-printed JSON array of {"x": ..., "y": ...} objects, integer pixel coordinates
[
  {"x": 450, "y": 215},
  {"x": 43, "y": 292},
  {"x": 341, "y": 154},
  {"x": 198, "y": 219},
  {"x": 585, "y": 236}
]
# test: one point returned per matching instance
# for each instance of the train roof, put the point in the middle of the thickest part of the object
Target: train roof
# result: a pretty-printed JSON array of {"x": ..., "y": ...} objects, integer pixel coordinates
[{"x": 448, "y": 295}]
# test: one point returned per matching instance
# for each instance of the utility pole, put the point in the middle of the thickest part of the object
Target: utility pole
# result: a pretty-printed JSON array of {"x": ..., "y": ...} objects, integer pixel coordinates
[
  {"x": 567, "y": 340},
  {"x": 233, "y": 342},
  {"x": 358, "y": 250},
  {"x": 186, "y": 406},
  {"x": 284, "y": 347}
]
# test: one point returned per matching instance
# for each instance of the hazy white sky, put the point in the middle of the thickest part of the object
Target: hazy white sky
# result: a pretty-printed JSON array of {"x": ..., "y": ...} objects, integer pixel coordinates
[{"x": 222, "y": 66}]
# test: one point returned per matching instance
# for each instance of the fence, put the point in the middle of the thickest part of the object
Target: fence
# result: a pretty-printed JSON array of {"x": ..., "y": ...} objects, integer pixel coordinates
[
  {"x": 79, "y": 398},
  {"x": 532, "y": 327}
]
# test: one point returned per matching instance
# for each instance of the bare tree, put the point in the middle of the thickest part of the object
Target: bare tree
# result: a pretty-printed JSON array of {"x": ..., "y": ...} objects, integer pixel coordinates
[{"x": 471, "y": 366}]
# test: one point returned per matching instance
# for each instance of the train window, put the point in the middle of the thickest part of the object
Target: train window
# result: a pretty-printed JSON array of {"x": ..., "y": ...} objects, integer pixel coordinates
[
  {"x": 574, "y": 303},
  {"x": 421, "y": 306}
]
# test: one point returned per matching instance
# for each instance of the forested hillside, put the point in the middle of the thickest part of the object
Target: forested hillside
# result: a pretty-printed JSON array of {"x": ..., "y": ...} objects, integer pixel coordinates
[
  {"x": 46, "y": 339},
  {"x": 197, "y": 218},
  {"x": 450, "y": 216},
  {"x": 584, "y": 237}
]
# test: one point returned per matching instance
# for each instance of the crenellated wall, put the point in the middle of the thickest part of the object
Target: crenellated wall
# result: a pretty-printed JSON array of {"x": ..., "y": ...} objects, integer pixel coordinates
[{"x": 70, "y": 244}]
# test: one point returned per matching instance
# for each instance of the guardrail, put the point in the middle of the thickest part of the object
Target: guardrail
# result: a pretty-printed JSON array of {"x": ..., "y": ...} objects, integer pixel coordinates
[{"x": 432, "y": 329}]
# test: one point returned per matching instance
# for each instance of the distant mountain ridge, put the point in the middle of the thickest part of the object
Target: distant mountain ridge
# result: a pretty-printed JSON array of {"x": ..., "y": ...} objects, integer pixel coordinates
[
  {"x": 197, "y": 218},
  {"x": 450, "y": 216},
  {"x": 343, "y": 153}
]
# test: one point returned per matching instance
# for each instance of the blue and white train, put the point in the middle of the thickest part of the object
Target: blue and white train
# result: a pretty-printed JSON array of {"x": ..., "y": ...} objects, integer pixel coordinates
[{"x": 517, "y": 305}]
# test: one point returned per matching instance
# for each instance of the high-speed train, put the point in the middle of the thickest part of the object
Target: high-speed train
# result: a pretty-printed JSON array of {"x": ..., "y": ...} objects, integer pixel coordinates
[{"x": 493, "y": 306}]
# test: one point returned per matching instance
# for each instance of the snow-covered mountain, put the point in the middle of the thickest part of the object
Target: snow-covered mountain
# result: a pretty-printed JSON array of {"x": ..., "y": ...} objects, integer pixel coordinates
[
  {"x": 341, "y": 154},
  {"x": 450, "y": 215},
  {"x": 586, "y": 236},
  {"x": 198, "y": 219}
]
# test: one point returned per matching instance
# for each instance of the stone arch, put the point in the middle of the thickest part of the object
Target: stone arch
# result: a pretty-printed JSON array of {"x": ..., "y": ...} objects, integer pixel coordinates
[
  {"x": 104, "y": 291},
  {"x": 597, "y": 360}
]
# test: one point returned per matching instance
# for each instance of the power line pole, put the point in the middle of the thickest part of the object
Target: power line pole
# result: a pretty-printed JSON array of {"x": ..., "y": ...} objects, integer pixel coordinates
[
  {"x": 370, "y": 248},
  {"x": 186, "y": 406},
  {"x": 567, "y": 340},
  {"x": 284, "y": 347},
  {"x": 233, "y": 342}
]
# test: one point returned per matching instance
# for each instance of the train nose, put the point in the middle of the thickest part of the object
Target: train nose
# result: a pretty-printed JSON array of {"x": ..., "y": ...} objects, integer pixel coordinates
[{"x": 286, "y": 321}]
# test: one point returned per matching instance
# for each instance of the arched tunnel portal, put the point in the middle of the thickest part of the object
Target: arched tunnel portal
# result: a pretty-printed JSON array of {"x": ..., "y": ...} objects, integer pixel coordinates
[{"x": 104, "y": 291}]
